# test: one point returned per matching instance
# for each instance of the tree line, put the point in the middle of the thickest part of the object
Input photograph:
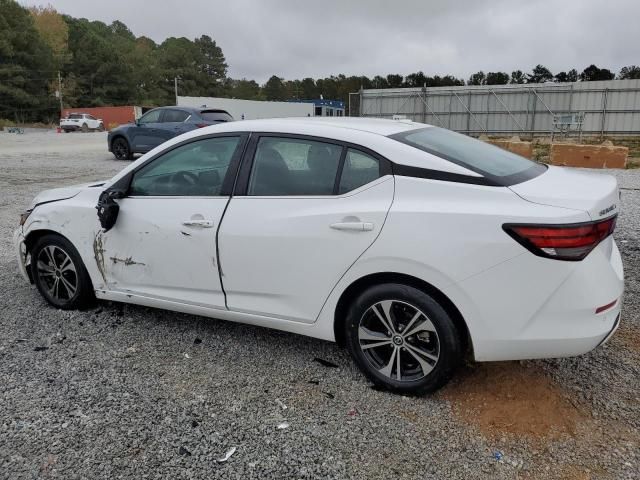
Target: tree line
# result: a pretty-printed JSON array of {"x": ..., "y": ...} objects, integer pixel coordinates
[{"x": 44, "y": 54}]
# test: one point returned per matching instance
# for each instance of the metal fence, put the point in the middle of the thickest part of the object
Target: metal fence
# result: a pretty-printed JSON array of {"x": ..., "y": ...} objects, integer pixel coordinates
[{"x": 609, "y": 107}]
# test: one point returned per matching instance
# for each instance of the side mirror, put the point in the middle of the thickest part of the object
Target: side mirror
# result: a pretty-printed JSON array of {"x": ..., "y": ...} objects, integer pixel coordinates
[
  {"x": 107, "y": 206},
  {"x": 108, "y": 209}
]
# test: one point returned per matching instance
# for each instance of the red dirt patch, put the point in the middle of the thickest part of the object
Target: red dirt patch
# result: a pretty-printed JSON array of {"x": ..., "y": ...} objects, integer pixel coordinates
[
  {"x": 511, "y": 399},
  {"x": 629, "y": 337}
]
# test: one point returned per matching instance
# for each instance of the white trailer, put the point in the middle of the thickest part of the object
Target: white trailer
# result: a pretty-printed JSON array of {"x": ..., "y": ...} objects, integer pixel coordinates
[{"x": 250, "y": 109}]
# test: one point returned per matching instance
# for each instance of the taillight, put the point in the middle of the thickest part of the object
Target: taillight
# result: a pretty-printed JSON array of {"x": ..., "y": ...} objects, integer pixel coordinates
[
  {"x": 202, "y": 125},
  {"x": 562, "y": 242}
]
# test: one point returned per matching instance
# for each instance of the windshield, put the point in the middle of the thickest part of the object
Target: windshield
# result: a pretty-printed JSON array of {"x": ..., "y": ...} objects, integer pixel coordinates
[{"x": 503, "y": 167}]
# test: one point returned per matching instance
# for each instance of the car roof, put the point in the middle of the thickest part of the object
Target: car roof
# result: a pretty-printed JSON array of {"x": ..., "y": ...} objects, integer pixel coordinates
[
  {"x": 189, "y": 109},
  {"x": 175, "y": 107},
  {"x": 378, "y": 126}
]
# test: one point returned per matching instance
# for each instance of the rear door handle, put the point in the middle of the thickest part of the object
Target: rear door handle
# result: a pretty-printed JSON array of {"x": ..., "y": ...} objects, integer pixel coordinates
[
  {"x": 198, "y": 223},
  {"x": 353, "y": 226}
]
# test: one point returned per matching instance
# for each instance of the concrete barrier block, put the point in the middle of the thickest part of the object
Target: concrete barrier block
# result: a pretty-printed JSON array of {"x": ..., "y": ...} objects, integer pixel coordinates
[{"x": 588, "y": 156}]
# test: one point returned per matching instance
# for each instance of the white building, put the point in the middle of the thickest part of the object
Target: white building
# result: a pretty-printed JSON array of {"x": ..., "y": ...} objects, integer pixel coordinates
[{"x": 250, "y": 109}]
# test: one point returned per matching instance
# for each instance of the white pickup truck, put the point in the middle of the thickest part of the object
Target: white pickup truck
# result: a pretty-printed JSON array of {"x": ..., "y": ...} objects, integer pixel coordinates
[{"x": 81, "y": 121}]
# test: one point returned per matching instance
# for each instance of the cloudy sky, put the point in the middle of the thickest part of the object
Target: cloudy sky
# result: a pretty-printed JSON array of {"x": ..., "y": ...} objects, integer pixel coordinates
[{"x": 300, "y": 38}]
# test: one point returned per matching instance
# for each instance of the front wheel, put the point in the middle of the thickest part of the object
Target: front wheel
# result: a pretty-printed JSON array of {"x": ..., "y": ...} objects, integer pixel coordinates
[
  {"x": 59, "y": 273},
  {"x": 121, "y": 150},
  {"x": 402, "y": 339}
]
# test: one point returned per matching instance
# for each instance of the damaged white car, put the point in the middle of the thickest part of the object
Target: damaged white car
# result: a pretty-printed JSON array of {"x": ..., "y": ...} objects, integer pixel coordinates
[{"x": 410, "y": 244}]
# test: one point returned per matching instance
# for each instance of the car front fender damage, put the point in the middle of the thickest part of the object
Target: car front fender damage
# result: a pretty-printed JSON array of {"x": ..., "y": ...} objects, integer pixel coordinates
[
  {"x": 98, "y": 255},
  {"x": 125, "y": 261}
]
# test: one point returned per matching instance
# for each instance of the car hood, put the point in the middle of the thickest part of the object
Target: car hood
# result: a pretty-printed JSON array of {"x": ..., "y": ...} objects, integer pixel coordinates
[
  {"x": 594, "y": 193},
  {"x": 121, "y": 128},
  {"x": 57, "y": 194}
]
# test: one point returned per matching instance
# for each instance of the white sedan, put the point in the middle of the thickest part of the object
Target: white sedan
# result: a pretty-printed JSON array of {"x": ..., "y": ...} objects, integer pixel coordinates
[{"x": 410, "y": 244}]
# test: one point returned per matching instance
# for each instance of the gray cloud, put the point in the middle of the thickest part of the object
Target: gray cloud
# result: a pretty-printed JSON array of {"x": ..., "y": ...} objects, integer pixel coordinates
[{"x": 296, "y": 38}]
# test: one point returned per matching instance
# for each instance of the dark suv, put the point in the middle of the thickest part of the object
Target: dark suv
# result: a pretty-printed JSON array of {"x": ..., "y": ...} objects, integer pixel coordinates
[{"x": 159, "y": 125}]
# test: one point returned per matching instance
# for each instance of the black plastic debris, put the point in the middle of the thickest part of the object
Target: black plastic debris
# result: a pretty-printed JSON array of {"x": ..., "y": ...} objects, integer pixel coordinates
[
  {"x": 184, "y": 452},
  {"x": 197, "y": 341},
  {"x": 314, "y": 382},
  {"x": 194, "y": 423},
  {"x": 329, "y": 395},
  {"x": 40, "y": 349},
  {"x": 325, "y": 363}
]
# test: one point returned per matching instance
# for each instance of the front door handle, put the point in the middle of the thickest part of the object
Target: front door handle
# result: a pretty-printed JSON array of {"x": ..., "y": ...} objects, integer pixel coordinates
[
  {"x": 353, "y": 226},
  {"x": 198, "y": 223}
]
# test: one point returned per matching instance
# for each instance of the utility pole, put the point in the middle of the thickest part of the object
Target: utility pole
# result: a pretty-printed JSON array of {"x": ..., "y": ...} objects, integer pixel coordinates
[
  {"x": 175, "y": 83},
  {"x": 60, "y": 92}
]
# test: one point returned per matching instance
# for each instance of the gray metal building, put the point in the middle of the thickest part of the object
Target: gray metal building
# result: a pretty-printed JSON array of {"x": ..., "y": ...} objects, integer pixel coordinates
[{"x": 608, "y": 107}]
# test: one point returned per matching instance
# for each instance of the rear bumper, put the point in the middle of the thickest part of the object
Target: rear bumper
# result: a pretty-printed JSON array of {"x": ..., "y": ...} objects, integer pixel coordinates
[
  {"x": 21, "y": 253},
  {"x": 71, "y": 128},
  {"x": 541, "y": 308},
  {"x": 616, "y": 324}
]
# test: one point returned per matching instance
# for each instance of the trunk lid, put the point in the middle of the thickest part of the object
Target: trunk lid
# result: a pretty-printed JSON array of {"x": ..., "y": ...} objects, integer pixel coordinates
[{"x": 594, "y": 193}]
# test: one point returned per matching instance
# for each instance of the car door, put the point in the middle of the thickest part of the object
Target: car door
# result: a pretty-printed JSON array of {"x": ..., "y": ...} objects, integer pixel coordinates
[
  {"x": 92, "y": 122},
  {"x": 303, "y": 211},
  {"x": 163, "y": 244},
  {"x": 147, "y": 133},
  {"x": 173, "y": 122}
]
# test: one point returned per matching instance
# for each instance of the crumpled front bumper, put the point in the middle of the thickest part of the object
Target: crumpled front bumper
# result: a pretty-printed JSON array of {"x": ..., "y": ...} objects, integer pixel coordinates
[{"x": 21, "y": 253}]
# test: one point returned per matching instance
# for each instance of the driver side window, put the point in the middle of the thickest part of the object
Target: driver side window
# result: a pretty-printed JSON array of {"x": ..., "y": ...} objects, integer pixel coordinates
[
  {"x": 151, "y": 117},
  {"x": 194, "y": 169}
]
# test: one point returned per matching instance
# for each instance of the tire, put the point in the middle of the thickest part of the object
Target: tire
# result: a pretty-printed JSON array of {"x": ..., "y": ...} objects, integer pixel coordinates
[
  {"x": 120, "y": 148},
  {"x": 429, "y": 349},
  {"x": 101, "y": 127},
  {"x": 84, "y": 128},
  {"x": 59, "y": 273}
]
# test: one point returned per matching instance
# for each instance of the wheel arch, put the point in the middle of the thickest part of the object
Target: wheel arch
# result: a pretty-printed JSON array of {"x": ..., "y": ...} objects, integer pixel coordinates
[
  {"x": 30, "y": 241},
  {"x": 116, "y": 136},
  {"x": 33, "y": 236},
  {"x": 367, "y": 281}
]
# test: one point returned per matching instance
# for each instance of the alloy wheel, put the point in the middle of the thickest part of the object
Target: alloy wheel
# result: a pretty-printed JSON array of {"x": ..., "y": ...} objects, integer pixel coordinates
[
  {"x": 57, "y": 273},
  {"x": 399, "y": 340},
  {"x": 120, "y": 149}
]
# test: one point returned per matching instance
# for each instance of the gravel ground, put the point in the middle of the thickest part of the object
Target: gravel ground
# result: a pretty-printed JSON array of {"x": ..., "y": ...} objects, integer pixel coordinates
[{"x": 122, "y": 391}]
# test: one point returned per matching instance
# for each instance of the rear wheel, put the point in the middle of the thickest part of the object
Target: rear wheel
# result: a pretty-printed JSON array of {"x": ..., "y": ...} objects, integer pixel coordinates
[
  {"x": 120, "y": 149},
  {"x": 402, "y": 339},
  {"x": 85, "y": 127},
  {"x": 59, "y": 273}
]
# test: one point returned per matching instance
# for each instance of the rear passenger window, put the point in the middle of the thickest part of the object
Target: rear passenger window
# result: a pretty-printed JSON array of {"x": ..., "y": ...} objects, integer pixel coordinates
[
  {"x": 174, "y": 116},
  {"x": 291, "y": 166},
  {"x": 359, "y": 169}
]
